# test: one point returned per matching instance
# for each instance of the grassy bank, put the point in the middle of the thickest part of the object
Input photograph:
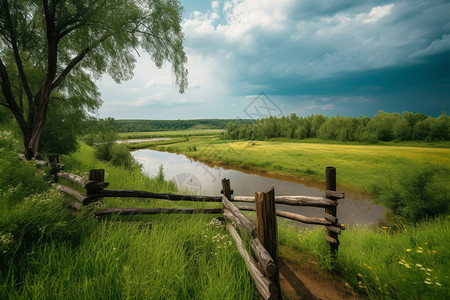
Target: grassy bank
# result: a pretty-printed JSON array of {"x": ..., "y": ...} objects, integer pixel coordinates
[
  {"x": 358, "y": 166},
  {"x": 153, "y": 257},
  {"x": 407, "y": 262}
]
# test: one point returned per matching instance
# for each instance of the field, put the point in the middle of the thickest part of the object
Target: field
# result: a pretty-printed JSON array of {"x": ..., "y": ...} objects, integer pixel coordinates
[{"x": 358, "y": 166}]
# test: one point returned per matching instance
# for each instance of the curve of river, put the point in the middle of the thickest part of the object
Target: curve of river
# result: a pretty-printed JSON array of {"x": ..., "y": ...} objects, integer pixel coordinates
[{"x": 198, "y": 178}]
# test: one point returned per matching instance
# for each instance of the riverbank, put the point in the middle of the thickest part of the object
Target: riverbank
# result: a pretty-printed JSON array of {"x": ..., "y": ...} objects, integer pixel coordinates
[{"x": 359, "y": 167}]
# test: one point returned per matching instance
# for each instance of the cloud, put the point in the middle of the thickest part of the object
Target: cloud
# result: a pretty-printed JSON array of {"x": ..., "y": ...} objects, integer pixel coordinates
[
  {"x": 259, "y": 41},
  {"x": 378, "y": 12},
  {"x": 350, "y": 52}
]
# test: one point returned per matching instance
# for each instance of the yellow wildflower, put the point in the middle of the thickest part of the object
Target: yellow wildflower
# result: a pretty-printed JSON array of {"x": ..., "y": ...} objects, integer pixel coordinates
[{"x": 408, "y": 250}]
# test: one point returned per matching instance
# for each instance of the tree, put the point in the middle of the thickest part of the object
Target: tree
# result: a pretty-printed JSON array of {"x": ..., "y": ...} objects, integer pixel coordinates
[{"x": 73, "y": 42}]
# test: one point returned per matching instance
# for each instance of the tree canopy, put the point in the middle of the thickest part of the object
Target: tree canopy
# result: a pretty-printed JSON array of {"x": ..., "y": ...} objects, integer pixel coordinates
[{"x": 56, "y": 49}]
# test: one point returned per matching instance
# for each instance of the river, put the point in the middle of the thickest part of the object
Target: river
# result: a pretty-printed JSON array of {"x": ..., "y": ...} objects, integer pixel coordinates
[{"x": 198, "y": 178}]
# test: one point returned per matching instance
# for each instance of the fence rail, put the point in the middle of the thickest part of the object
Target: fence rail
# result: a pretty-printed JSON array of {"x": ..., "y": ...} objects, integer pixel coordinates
[{"x": 262, "y": 262}]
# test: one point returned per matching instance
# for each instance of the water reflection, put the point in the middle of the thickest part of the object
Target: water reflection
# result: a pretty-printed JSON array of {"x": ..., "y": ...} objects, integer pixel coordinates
[{"x": 200, "y": 178}]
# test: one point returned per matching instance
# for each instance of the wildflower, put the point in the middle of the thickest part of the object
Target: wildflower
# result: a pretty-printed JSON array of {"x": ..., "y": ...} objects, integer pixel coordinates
[
  {"x": 438, "y": 284},
  {"x": 347, "y": 285},
  {"x": 434, "y": 251},
  {"x": 419, "y": 265},
  {"x": 408, "y": 250},
  {"x": 429, "y": 270},
  {"x": 422, "y": 269},
  {"x": 359, "y": 275},
  {"x": 428, "y": 282},
  {"x": 419, "y": 251},
  {"x": 384, "y": 227},
  {"x": 420, "y": 248}
]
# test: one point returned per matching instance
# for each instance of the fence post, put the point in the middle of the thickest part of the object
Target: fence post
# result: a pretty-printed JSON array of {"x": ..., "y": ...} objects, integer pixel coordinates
[
  {"x": 267, "y": 229},
  {"x": 226, "y": 188},
  {"x": 330, "y": 185},
  {"x": 56, "y": 167},
  {"x": 98, "y": 176}
]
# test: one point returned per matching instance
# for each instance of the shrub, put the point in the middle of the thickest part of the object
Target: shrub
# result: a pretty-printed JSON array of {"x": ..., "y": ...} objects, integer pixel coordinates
[
  {"x": 416, "y": 193},
  {"x": 121, "y": 156}
]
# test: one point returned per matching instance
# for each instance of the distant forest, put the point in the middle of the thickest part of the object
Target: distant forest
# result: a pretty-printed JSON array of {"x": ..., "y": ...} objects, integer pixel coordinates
[
  {"x": 381, "y": 127},
  {"x": 160, "y": 125}
]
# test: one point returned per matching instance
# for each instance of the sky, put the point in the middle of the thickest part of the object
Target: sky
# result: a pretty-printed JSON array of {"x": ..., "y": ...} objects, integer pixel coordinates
[{"x": 257, "y": 58}]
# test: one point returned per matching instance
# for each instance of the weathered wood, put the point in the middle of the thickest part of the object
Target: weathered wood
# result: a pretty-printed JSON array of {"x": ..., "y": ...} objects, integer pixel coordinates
[
  {"x": 265, "y": 287},
  {"x": 244, "y": 224},
  {"x": 74, "y": 178},
  {"x": 97, "y": 175},
  {"x": 164, "y": 196},
  {"x": 332, "y": 240},
  {"x": 334, "y": 195},
  {"x": 74, "y": 193},
  {"x": 330, "y": 186},
  {"x": 96, "y": 185},
  {"x": 330, "y": 218},
  {"x": 157, "y": 210},
  {"x": 226, "y": 189},
  {"x": 267, "y": 229},
  {"x": 334, "y": 229},
  {"x": 265, "y": 261},
  {"x": 293, "y": 200},
  {"x": 36, "y": 161},
  {"x": 293, "y": 216}
]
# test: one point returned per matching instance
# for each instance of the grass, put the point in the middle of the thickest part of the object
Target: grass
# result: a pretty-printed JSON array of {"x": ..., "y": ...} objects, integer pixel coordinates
[
  {"x": 358, "y": 166},
  {"x": 409, "y": 262},
  {"x": 126, "y": 260},
  {"x": 141, "y": 257}
]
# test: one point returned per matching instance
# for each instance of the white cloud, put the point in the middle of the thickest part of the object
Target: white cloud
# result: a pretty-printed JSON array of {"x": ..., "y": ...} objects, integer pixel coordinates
[{"x": 378, "y": 12}]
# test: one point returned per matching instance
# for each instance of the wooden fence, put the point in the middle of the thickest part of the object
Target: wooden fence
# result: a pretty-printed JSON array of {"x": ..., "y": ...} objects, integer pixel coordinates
[{"x": 262, "y": 262}]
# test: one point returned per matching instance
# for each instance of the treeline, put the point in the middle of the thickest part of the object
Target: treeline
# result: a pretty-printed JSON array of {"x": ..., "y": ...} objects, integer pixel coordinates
[
  {"x": 381, "y": 127},
  {"x": 160, "y": 125}
]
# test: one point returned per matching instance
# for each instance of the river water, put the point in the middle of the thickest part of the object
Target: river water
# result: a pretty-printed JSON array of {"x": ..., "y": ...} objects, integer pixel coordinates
[{"x": 198, "y": 178}]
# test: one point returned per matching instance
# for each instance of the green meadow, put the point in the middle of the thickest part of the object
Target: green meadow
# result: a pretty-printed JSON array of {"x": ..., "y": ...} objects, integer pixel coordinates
[
  {"x": 48, "y": 253},
  {"x": 358, "y": 166}
]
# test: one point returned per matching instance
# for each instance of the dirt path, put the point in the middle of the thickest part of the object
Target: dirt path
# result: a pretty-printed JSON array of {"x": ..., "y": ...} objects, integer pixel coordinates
[{"x": 304, "y": 280}]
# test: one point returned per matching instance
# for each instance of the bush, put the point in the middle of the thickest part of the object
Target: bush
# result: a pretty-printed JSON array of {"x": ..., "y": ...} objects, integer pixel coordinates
[
  {"x": 416, "y": 193},
  {"x": 121, "y": 156}
]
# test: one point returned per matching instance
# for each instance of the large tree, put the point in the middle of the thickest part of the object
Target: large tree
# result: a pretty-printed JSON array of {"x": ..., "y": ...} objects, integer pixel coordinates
[{"x": 50, "y": 47}]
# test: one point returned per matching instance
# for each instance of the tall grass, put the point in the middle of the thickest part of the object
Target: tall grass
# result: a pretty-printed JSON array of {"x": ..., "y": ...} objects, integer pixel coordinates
[
  {"x": 136, "y": 257},
  {"x": 406, "y": 262},
  {"x": 179, "y": 258}
]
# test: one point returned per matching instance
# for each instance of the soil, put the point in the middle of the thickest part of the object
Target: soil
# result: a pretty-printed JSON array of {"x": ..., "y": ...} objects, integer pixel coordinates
[{"x": 301, "y": 278}]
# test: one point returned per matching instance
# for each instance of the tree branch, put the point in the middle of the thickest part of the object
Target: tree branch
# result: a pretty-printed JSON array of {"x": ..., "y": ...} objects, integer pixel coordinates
[
  {"x": 7, "y": 92},
  {"x": 74, "y": 62},
  {"x": 13, "y": 42}
]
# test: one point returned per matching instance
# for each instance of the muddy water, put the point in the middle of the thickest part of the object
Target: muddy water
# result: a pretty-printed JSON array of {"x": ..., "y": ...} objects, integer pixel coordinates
[{"x": 198, "y": 178}]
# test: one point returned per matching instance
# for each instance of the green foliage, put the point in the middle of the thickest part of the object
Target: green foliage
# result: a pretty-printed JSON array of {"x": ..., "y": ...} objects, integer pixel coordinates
[
  {"x": 121, "y": 156},
  {"x": 161, "y": 125},
  {"x": 415, "y": 194},
  {"x": 66, "y": 121},
  {"x": 62, "y": 47},
  {"x": 382, "y": 127}
]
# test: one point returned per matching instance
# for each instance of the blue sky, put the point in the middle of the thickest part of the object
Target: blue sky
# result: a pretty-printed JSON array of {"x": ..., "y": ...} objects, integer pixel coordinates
[{"x": 346, "y": 57}]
